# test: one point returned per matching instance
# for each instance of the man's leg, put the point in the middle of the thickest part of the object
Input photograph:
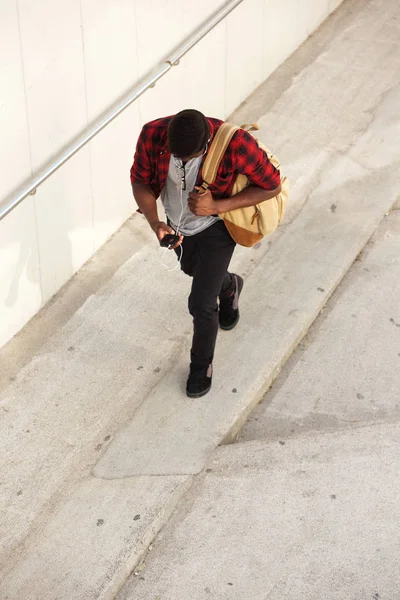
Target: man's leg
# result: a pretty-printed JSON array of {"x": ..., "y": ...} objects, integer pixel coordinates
[
  {"x": 213, "y": 254},
  {"x": 205, "y": 258},
  {"x": 229, "y": 301}
]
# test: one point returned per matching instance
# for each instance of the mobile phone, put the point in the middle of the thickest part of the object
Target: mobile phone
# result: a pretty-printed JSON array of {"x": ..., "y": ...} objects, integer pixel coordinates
[{"x": 169, "y": 240}]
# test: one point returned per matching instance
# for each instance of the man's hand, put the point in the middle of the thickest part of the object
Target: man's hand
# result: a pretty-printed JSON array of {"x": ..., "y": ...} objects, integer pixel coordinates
[
  {"x": 203, "y": 204},
  {"x": 161, "y": 229}
]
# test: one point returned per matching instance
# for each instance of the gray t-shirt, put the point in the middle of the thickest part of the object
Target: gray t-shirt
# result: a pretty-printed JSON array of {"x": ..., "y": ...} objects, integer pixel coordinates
[{"x": 175, "y": 198}]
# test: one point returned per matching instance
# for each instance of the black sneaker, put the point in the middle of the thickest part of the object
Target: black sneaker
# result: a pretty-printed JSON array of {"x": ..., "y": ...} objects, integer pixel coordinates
[
  {"x": 229, "y": 306},
  {"x": 199, "y": 381}
]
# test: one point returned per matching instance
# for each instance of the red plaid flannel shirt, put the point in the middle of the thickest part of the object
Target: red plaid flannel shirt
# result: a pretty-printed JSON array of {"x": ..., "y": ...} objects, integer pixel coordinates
[{"x": 243, "y": 155}]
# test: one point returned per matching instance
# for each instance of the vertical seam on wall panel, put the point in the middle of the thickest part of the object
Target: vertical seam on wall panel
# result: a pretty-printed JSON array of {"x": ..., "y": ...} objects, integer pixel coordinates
[
  {"x": 264, "y": 40},
  {"x": 226, "y": 66},
  {"x": 137, "y": 61},
  {"x": 30, "y": 151},
  {"x": 87, "y": 123}
]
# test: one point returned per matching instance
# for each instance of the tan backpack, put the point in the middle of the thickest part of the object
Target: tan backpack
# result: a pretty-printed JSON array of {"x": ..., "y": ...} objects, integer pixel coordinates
[{"x": 247, "y": 226}]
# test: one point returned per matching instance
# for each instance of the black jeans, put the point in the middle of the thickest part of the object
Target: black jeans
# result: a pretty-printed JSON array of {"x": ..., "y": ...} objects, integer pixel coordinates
[{"x": 206, "y": 257}]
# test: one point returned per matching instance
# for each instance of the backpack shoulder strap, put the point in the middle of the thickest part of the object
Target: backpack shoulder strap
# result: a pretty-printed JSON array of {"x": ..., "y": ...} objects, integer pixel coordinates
[
  {"x": 217, "y": 150},
  {"x": 250, "y": 127}
]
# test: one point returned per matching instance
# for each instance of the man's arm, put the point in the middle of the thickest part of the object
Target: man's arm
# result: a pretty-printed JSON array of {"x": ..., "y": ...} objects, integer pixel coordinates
[
  {"x": 204, "y": 204},
  {"x": 250, "y": 196},
  {"x": 142, "y": 192},
  {"x": 147, "y": 203},
  {"x": 252, "y": 161}
]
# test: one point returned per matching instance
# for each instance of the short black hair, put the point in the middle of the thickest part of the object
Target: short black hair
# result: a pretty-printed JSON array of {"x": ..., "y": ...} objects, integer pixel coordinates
[{"x": 188, "y": 133}]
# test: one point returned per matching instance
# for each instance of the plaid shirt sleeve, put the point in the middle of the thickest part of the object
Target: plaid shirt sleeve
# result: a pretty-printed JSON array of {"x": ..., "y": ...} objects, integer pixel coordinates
[
  {"x": 252, "y": 161},
  {"x": 141, "y": 168}
]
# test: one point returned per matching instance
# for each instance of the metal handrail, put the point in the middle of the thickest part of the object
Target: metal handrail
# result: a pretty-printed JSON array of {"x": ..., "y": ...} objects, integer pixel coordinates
[{"x": 148, "y": 82}]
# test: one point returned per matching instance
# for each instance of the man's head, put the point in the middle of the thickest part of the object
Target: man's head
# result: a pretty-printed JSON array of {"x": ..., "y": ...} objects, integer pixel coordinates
[{"x": 188, "y": 134}]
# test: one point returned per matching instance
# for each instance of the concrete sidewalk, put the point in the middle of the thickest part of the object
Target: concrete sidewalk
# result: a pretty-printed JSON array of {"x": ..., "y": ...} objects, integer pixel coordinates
[
  {"x": 100, "y": 442},
  {"x": 315, "y": 518},
  {"x": 346, "y": 372},
  {"x": 305, "y": 504}
]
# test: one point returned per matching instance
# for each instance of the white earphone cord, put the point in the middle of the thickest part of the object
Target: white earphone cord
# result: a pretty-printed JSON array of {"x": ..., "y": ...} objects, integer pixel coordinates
[{"x": 181, "y": 215}]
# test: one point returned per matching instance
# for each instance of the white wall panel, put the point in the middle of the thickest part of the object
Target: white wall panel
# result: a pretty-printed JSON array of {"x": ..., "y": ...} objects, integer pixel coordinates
[
  {"x": 282, "y": 33},
  {"x": 51, "y": 40},
  {"x": 195, "y": 83},
  {"x": 166, "y": 98},
  {"x": 14, "y": 148},
  {"x": 245, "y": 41},
  {"x": 65, "y": 223},
  {"x": 110, "y": 52},
  {"x": 206, "y": 91},
  {"x": 333, "y": 4},
  {"x": 111, "y": 157},
  {"x": 204, "y": 67},
  {"x": 311, "y": 13},
  {"x": 160, "y": 27},
  {"x": 20, "y": 295},
  {"x": 200, "y": 79},
  {"x": 110, "y": 55}
]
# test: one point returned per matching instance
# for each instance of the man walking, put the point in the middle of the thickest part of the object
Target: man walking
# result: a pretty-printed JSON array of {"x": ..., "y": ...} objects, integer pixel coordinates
[{"x": 169, "y": 155}]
